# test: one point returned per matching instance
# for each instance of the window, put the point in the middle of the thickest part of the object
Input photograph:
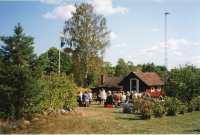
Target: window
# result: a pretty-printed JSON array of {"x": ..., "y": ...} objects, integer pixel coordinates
[
  {"x": 152, "y": 89},
  {"x": 159, "y": 88}
]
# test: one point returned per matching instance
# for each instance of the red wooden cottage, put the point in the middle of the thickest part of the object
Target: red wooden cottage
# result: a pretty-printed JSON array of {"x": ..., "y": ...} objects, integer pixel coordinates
[{"x": 148, "y": 82}]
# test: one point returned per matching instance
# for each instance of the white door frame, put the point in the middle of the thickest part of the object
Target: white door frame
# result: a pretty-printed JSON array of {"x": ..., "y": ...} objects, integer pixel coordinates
[{"x": 137, "y": 84}]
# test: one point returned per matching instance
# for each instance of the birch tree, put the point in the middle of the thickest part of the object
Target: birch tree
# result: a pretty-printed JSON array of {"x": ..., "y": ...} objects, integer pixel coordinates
[{"x": 87, "y": 37}]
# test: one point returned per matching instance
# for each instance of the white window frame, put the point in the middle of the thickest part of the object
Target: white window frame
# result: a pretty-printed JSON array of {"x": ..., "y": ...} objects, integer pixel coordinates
[
  {"x": 158, "y": 88},
  {"x": 137, "y": 84},
  {"x": 153, "y": 89}
]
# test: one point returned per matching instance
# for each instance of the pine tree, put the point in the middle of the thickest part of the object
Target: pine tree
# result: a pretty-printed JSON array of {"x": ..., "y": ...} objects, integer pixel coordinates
[{"x": 21, "y": 73}]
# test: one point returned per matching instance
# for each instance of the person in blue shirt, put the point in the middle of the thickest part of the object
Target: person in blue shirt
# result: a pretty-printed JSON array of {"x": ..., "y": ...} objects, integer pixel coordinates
[{"x": 85, "y": 98}]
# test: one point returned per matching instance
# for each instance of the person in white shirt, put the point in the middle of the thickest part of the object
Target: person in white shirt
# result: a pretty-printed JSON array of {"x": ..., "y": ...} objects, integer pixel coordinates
[
  {"x": 103, "y": 96},
  {"x": 80, "y": 94},
  {"x": 90, "y": 97},
  {"x": 123, "y": 97}
]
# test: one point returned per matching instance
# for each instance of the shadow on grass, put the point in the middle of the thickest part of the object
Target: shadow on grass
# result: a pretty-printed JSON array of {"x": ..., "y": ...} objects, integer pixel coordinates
[
  {"x": 197, "y": 130},
  {"x": 124, "y": 118}
]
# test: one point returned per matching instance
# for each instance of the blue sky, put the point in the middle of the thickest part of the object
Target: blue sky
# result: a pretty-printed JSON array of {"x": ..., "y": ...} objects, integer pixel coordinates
[{"x": 138, "y": 28}]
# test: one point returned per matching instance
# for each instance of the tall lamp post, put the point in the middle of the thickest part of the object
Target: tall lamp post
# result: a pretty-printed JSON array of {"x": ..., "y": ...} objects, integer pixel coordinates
[{"x": 166, "y": 39}]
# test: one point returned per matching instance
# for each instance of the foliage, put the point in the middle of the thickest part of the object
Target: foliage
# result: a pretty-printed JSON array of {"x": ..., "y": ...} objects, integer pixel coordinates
[
  {"x": 192, "y": 105},
  {"x": 107, "y": 69},
  {"x": 173, "y": 105},
  {"x": 159, "y": 109},
  {"x": 53, "y": 61},
  {"x": 62, "y": 92},
  {"x": 84, "y": 89},
  {"x": 87, "y": 37},
  {"x": 197, "y": 102},
  {"x": 21, "y": 73},
  {"x": 183, "y": 83},
  {"x": 146, "y": 109},
  {"x": 151, "y": 67},
  {"x": 183, "y": 108},
  {"x": 121, "y": 68}
]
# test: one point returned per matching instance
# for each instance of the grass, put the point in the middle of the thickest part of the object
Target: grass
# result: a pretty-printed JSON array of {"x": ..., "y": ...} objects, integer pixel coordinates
[{"x": 99, "y": 120}]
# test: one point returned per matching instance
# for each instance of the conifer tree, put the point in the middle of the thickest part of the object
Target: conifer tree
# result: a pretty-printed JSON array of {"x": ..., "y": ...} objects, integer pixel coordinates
[{"x": 21, "y": 73}]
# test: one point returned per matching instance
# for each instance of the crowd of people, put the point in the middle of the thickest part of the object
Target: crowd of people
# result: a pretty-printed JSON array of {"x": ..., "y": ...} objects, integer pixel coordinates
[{"x": 112, "y": 98}]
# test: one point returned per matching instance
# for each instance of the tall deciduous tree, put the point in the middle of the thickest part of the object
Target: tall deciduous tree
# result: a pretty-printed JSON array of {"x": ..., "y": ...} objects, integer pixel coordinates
[
  {"x": 53, "y": 60},
  {"x": 21, "y": 74},
  {"x": 87, "y": 36},
  {"x": 107, "y": 69},
  {"x": 122, "y": 68},
  {"x": 183, "y": 82}
]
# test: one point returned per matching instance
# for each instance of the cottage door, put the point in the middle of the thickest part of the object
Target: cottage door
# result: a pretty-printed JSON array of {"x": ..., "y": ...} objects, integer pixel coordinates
[{"x": 134, "y": 84}]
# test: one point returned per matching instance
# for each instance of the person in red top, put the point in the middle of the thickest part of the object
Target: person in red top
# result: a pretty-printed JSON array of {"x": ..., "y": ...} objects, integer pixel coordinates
[{"x": 117, "y": 98}]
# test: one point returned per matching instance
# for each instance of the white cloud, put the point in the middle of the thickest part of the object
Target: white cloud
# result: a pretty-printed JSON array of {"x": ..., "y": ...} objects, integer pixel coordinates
[
  {"x": 129, "y": 56},
  {"x": 156, "y": 29},
  {"x": 51, "y": 2},
  {"x": 121, "y": 52},
  {"x": 119, "y": 45},
  {"x": 112, "y": 36},
  {"x": 136, "y": 62},
  {"x": 172, "y": 44},
  {"x": 194, "y": 59},
  {"x": 197, "y": 43},
  {"x": 189, "y": 51},
  {"x": 105, "y": 8},
  {"x": 33, "y": 46},
  {"x": 175, "y": 53},
  {"x": 64, "y": 12},
  {"x": 61, "y": 12}
]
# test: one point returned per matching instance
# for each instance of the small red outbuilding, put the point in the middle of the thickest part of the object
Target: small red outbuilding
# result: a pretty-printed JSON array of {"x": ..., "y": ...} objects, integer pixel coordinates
[{"x": 148, "y": 82}]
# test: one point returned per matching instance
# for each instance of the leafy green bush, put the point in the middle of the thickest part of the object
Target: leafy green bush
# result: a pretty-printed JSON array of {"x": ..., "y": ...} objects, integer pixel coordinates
[
  {"x": 159, "y": 109},
  {"x": 173, "y": 105},
  {"x": 62, "y": 92},
  {"x": 183, "y": 108},
  {"x": 192, "y": 105},
  {"x": 197, "y": 102},
  {"x": 146, "y": 109}
]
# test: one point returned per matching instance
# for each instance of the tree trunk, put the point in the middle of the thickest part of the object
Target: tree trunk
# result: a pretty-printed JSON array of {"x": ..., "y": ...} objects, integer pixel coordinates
[{"x": 85, "y": 77}]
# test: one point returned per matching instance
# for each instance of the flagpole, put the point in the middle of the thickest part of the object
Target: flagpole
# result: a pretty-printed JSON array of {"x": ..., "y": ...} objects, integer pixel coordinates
[{"x": 59, "y": 54}]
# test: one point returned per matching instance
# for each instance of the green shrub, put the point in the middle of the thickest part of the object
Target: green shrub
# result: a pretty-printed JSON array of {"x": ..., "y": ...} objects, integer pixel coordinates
[
  {"x": 146, "y": 109},
  {"x": 173, "y": 105},
  {"x": 159, "y": 109},
  {"x": 197, "y": 102},
  {"x": 183, "y": 108},
  {"x": 192, "y": 105},
  {"x": 62, "y": 92}
]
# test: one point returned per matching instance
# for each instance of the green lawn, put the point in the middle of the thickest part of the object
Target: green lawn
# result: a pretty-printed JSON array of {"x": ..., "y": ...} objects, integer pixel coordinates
[{"x": 99, "y": 120}]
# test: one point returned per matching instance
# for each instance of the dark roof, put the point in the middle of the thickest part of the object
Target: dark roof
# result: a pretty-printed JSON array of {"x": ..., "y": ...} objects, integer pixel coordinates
[
  {"x": 150, "y": 78},
  {"x": 112, "y": 82}
]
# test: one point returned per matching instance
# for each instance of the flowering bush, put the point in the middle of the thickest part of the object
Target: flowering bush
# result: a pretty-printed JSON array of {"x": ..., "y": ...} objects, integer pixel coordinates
[
  {"x": 159, "y": 109},
  {"x": 173, "y": 105}
]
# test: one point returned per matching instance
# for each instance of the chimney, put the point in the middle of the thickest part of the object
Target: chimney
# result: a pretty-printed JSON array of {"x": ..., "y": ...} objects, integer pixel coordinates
[{"x": 102, "y": 79}]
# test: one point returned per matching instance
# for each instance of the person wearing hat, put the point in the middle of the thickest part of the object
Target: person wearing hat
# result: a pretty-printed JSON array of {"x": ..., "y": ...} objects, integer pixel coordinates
[{"x": 109, "y": 99}]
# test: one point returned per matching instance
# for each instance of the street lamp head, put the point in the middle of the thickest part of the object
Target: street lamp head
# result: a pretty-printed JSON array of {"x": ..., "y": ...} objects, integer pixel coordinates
[{"x": 167, "y": 13}]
